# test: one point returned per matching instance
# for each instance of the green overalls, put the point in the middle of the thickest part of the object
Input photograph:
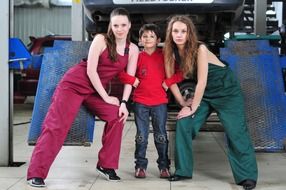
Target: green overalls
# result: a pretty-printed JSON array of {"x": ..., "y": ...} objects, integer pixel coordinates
[{"x": 223, "y": 95}]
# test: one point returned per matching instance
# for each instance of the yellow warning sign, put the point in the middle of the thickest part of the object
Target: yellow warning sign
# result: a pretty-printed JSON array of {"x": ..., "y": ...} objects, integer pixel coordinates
[{"x": 76, "y": 1}]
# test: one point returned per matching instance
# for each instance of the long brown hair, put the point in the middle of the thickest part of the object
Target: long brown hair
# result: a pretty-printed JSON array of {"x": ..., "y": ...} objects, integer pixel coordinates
[
  {"x": 110, "y": 38},
  {"x": 189, "y": 58}
]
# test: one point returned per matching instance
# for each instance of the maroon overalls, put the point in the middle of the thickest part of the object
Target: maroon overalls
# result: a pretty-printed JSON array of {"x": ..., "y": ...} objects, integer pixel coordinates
[{"x": 73, "y": 90}]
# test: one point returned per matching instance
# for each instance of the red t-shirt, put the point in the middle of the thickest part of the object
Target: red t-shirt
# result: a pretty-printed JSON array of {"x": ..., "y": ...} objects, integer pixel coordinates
[{"x": 151, "y": 74}]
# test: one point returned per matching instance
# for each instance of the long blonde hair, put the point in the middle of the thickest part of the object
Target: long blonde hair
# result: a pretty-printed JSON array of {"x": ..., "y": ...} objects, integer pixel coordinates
[
  {"x": 110, "y": 38},
  {"x": 188, "y": 60}
]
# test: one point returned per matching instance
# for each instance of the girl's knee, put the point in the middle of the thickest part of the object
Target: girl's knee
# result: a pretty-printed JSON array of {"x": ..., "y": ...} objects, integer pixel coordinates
[
  {"x": 183, "y": 125},
  {"x": 112, "y": 116}
]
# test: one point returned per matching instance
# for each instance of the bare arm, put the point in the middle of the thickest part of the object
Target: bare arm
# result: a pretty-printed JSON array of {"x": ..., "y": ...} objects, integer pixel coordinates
[
  {"x": 131, "y": 69},
  {"x": 202, "y": 75},
  {"x": 96, "y": 48},
  {"x": 177, "y": 94},
  {"x": 170, "y": 71}
]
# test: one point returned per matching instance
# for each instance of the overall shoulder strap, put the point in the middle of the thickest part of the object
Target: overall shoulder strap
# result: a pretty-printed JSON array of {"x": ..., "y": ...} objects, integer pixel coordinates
[
  {"x": 177, "y": 56},
  {"x": 126, "y": 50}
]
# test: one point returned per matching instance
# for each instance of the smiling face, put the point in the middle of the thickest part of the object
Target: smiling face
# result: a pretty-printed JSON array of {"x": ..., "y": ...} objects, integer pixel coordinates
[
  {"x": 120, "y": 26},
  {"x": 149, "y": 39},
  {"x": 179, "y": 33}
]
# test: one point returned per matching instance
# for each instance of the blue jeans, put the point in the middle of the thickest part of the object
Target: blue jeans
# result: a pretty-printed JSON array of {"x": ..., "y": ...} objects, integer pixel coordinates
[{"x": 158, "y": 116}]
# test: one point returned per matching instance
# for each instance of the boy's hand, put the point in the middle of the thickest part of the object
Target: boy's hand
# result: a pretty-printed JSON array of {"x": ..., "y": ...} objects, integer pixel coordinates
[
  {"x": 136, "y": 83},
  {"x": 187, "y": 102},
  {"x": 164, "y": 85}
]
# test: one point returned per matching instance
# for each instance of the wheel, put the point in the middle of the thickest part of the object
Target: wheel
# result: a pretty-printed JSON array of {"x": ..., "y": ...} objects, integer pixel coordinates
[{"x": 187, "y": 89}]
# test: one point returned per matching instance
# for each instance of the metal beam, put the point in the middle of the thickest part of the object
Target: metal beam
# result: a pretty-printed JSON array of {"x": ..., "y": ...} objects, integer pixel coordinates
[
  {"x": 77, "y": 28},
  {"x": 4, "y": 87},
  {"x": 284, "y": 18},
  {"x": 279, "y": 12},
  {"x": 260, "y": 7}
]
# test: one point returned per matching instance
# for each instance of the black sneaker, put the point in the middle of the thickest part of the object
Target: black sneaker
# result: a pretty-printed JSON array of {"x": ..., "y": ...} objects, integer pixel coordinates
[
  {"x": 36, "y": 182},
  {"x": 248, "y": 184},
  {"x": 109, "y": 174}
]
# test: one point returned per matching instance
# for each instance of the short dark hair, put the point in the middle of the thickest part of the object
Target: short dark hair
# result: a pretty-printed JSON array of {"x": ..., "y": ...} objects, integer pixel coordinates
[{"x": 149, "y": 27}]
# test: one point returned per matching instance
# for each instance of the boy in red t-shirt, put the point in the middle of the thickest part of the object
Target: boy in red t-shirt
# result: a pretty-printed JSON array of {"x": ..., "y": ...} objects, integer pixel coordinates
[{"x": 150, "y": 100}]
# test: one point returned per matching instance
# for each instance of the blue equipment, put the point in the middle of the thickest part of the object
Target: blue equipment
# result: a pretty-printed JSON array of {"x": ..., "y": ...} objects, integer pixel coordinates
[
  {"x": 19, "y": 57},
  {"x": 56, "y": 61},
  {"x": 257, "y": 66}
]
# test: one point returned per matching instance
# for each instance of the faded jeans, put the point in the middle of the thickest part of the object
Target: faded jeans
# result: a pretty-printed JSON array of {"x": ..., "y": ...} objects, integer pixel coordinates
[{"x": 158, "y": 116}]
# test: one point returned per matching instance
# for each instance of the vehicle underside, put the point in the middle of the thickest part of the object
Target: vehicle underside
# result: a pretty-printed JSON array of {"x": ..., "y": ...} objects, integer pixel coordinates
[{"x": 213, "y": 18}]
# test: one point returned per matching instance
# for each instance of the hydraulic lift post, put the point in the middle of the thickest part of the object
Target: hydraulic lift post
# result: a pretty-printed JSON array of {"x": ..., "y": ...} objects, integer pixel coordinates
[{"x": 5, "y": 119}]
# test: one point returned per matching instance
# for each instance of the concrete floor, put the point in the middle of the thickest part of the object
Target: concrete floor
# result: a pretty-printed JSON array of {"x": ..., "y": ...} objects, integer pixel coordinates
[{"x": 74, "y": 168}]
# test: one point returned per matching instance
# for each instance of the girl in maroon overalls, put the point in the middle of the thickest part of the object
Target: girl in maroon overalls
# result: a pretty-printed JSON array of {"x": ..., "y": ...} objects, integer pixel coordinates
[{"x": 85, "y": 83}]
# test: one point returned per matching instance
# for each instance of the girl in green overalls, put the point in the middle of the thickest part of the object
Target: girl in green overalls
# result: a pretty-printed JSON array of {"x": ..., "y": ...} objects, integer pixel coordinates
[{"x": 216, "y": 90}]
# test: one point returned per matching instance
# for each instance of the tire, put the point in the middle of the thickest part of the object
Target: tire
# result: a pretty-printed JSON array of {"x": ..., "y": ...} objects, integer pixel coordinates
[{"x": 187, "y": 89}]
